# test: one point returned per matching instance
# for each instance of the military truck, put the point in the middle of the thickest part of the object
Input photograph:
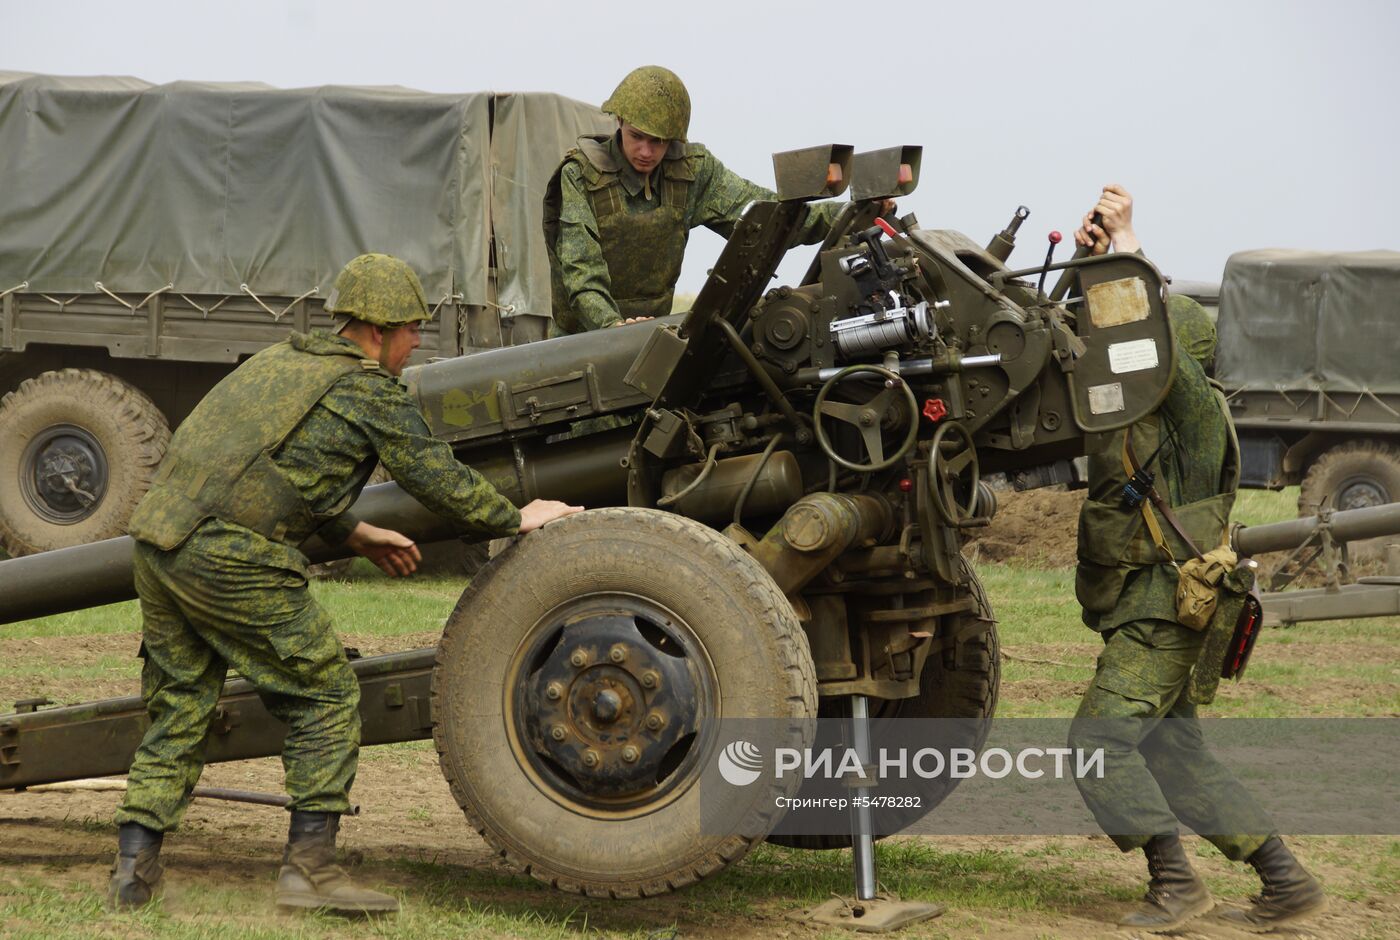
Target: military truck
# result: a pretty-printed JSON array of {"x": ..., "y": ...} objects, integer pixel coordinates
[
  {"x": 153, "y": 236},
  {"x": 1308, "y": 350}
]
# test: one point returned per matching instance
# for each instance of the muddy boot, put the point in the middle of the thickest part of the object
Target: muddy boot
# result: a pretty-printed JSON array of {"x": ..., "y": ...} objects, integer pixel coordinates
[
  {"x": 137, "y": 871},
  {"x": 311, "y": 880},
  {"x": 1290, "y": 894},
  {"x": 1175, "y": 894}
]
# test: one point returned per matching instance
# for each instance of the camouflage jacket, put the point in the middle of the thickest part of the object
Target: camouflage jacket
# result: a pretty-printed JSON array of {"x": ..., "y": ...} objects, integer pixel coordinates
[
  {"x": 616, "y": 239},
  {"x": 1122, "y": 575},
  {"x": 363, "y": 417}
]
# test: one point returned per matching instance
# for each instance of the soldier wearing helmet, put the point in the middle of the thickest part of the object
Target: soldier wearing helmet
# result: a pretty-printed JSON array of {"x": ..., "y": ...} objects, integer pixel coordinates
[
  {"x": 1140, "y": 708},
  {"x": 276, "y": 452},
  {"x": 619, "y": 209}
]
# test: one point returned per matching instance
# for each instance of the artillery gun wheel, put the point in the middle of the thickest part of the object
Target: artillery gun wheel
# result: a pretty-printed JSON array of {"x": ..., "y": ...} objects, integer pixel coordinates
[
  {"x": 961, "y": 683},
  {"x": 78, "y": 450},
  {"x": 1353, "y": 475},
  {"x": 579, "y": 688}
]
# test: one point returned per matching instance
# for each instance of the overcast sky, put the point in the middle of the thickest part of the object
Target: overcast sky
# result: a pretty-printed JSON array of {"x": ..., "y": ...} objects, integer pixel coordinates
[{"x": 1235, "y": 125}]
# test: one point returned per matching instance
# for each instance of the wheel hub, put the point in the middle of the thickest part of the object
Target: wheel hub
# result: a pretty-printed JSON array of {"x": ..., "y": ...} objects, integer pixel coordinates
[
  {"x": 611, "y": 705},
  {"x": 64, "y": 474},
  {"x": 1361, "y": 493}
]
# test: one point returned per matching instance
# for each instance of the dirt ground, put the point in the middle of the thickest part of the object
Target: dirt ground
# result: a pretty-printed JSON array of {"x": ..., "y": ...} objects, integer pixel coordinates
[
  {"x": 412, "y": 838},
  {"x": 65, "y": 839},
  {"x": 1036, "y": 528},
  {"x": 409, "y": 815}
]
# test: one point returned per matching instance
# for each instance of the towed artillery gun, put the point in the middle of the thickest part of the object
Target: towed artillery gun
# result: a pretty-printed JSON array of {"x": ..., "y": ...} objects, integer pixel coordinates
[{"x": 792, "y": 472}]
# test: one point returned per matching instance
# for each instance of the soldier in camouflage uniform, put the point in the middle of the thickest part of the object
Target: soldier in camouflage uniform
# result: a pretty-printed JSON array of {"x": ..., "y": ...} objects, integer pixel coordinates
[
  {"x": 278, "y": 450},
  {"x": 1157, "y": 768},
  {"x": 618, "y": 211}
]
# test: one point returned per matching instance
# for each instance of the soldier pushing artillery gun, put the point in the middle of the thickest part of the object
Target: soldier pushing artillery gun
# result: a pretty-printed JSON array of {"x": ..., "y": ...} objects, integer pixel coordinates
[{"x": 788, "y": 497}]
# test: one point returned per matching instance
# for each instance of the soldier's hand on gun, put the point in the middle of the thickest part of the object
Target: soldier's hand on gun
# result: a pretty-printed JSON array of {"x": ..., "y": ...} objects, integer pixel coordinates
[
  {"x": 1115, "y": 208},
  {"x": 394, "y": 553},
  {"x": 537, "y": 513},
  {"x": 1092, "y": 236}
]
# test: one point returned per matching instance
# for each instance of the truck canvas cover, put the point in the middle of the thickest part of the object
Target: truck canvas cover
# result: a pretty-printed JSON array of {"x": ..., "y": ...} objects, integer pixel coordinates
[
  {"x": 210, "y": 187},
  {"x": 1310, "y": 320}
]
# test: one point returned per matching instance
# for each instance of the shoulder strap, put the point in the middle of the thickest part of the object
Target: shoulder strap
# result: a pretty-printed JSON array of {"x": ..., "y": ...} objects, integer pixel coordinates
[{"x": 1132, "y": 467}]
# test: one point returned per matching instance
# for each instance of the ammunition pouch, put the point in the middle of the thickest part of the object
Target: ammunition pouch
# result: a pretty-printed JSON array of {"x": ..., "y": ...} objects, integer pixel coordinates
[
  {"x": 1198, "y": 586},
  {"x": 1230, "y": 634}
]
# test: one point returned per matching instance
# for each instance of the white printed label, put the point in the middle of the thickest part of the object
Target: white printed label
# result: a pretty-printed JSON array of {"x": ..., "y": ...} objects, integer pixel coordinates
[
  {"x": 1106, "y": 399},
  {"x": 1132, "y": 356}
]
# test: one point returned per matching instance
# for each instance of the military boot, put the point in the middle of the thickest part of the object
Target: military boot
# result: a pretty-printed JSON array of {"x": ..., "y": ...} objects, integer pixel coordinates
[
  {"x": 311, "y": 880},
  {"x": 137, "y": 871},
  {"x": 1175, "y": 893},
  {"x": 1290, "y": 894}
]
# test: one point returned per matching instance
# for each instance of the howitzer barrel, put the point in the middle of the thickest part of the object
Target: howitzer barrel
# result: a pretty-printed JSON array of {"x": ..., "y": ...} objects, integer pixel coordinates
[
  {"x": 1349, "y": 525},
  {"x": 583, "y": 470},
  {"x": 100, "y": 572}
]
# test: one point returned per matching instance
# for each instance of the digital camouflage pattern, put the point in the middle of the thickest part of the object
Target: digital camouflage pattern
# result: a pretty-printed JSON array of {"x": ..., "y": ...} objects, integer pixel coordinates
[
  {"x": 1122, "y": 576},
  {"x": 617, "y": 240},
  {"x": 654, "y": 101},
  {"x": 205, "y": 608},
  {"x": 219, "y": 463},
  {"x": 228, "y": 596},
  {"x": 1157, "y": 770},
  {"x": 378, "y": 289},
  {"x": 1192, "y": 327}
]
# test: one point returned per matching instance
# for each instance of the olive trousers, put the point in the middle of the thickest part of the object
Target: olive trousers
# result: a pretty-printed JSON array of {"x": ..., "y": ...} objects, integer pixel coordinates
[
  {"x": 203, "y": 611},
  {"x": 1157, "y": 770}
]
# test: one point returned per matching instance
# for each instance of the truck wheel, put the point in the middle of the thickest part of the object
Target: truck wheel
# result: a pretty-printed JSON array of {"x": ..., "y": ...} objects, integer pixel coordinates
[
  {"x": 579, "y": 689},
  {"x": 1354, "y": 475},
  {"x": 78, "y": 450},
  {"x": 959, "y": 683}
]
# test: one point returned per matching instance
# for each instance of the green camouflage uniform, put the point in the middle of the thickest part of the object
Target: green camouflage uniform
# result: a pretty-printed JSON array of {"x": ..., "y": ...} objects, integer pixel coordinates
[
  {"x": 276, "y": 451},
  {"x": 616, "y": 240},
  {"x": 1157, "y": 768}
]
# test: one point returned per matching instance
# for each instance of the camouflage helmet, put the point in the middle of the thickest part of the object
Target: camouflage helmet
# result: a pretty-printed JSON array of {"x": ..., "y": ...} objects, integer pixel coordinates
[
  {"x": 378, "y": 289},
  {"x": 1193, "y": 329},
  {"x": 654, "y": 101}
]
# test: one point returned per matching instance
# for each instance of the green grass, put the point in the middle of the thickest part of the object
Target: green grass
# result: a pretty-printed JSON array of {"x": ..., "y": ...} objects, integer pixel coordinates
[
  {"x": 1050, "y": 657},
  {"x": 1257, "y": 507}
]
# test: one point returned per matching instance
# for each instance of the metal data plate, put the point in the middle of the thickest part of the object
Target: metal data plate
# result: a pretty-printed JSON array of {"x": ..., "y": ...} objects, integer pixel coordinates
[{"x": 1129, "y": 357}]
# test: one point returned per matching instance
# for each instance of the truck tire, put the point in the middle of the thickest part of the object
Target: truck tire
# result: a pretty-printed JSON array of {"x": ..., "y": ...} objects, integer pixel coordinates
[
  {"x": 618, "y": 601},
  {"x": 78, "y": 450},
  {"x": 961, "y": 682},
  {"x": 1353, "y": 475}
]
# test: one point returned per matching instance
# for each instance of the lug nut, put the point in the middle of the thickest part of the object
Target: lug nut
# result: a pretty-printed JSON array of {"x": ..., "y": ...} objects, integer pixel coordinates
[
  {"x": 655, "y": 722},
  {"x": 650, "y": 679},
  {"x": 618, "y": 653},
  {"x": 558, "y": 733},
  {"x": 579, "y": 659},
  {"x": 630, "y": 754},
  {"x": 590, "y": 758},
  {"x": 554, "y": 692}
]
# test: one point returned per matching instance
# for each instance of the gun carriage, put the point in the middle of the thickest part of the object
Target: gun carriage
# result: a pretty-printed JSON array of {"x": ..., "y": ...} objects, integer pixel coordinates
[{"x": 791, "y": 471}]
